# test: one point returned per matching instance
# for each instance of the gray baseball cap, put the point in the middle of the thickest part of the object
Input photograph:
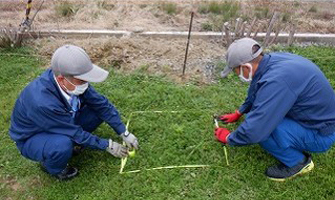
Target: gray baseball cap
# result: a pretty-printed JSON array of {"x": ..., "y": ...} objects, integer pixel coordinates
[
  {"x": 240, "y": 52},
  {"x": 70, "y": 60}
]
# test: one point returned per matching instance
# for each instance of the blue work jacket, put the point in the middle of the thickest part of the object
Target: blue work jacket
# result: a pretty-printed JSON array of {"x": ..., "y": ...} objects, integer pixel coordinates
[
  {"x": 42, "y": 108},
  {"x": 285, "y": 85}
]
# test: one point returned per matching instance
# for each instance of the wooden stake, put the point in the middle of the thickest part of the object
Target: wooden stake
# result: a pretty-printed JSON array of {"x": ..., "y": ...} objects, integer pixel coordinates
[
  {"x": 291, "y": 34},
  {"x": 251, "y": 26},
  {"x": 237, "y": 26},
  {"x": 241, "y": 34},
  {"x": 277, "y": 33},
  {"x": 256, "y": 32},
  {"x": 227, "y": 33},
  {"x": 268, "y": 32}
]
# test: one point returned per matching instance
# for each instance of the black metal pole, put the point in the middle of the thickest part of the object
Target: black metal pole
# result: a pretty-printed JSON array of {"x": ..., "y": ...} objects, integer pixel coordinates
[
  {"x": 188, "y": 42},
  {"x": 28, "y": 8}
]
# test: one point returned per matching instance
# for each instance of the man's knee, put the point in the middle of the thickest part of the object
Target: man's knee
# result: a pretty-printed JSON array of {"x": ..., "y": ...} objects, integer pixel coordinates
[
  {"x": 88, "y": 119},
  {"x": 281, "y": 136},
  {"x": 277, "y": 137},
  {"x": 59, "y": 148},
  {"x": 283, "y": 127},
  {"x": 269, "y": 143}
]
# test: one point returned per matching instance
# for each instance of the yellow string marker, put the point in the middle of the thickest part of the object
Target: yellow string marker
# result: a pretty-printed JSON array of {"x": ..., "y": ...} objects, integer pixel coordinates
[
  {"x": 224, "y": 146},
  {"x": 124, "y": 160},
  {"x": 169, "y": 167},
  {"x": 226, "y": 154}
]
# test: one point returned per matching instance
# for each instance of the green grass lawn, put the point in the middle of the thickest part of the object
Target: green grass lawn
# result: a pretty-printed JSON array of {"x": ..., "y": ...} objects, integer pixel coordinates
[{"x": 165, "y": 139}]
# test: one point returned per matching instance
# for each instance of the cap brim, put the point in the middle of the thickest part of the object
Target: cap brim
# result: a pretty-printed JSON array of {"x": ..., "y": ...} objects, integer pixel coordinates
[
  {"x": 96, "y": 74},
  {"x": 225, "y": 72}
]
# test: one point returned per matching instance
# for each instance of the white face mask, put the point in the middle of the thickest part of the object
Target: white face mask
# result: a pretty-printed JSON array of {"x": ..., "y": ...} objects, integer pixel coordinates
[
  {"x": 78, "y": 89},
  {"x": 242, "y": 78}
]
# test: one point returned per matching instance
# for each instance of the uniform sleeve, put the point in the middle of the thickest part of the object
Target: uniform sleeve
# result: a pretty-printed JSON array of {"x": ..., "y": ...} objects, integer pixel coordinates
[
  {"x": 273, "y": 100},
  {"x": 246, "y": 106},
  {"x": 104, "y": 109},
  {"x": 52, "y": 120}
]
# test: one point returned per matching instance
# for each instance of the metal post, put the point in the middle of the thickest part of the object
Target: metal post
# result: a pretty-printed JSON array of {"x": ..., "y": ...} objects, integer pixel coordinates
[{"x": 188, "y": 42}]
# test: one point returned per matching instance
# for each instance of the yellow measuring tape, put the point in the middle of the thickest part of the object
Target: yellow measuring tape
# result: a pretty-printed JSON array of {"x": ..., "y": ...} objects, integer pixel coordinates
[
  {"x": 124, "y": 160},
  {"x": 169, "y": 167}
]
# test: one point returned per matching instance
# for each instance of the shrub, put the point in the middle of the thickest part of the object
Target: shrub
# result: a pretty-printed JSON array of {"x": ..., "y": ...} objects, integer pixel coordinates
[
  {"x": 262, "y": 12},
  {"x": 296, "y": 4},
  {"x": 143, "y": 6},
  {"x": 207, "y": 26},
  {"x": 66, "y": 9},
  {"x": 5, "y": 41},
  {"x": 106, "y": 5},
  {"x": 169, "y": 8},
  {"x": 10, "y": 38},
  {"x": 313, "y": 9},
  {"x": 226, "y": 8},
  {"x": 327, "y": 16},
  {"x": 286, "y": 17}
]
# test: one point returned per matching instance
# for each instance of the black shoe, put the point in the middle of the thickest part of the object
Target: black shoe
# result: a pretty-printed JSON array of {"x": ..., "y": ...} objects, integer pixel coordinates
[
  {"x": 67, "y": 174},
  {"x": 77, "y": 150},
  {"x": 281, "y": 172}
]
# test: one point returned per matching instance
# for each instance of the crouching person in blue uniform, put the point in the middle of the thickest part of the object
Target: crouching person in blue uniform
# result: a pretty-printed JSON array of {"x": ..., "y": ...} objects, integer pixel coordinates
[
  {"x": 290, "y": 106},
  {"x": 60, "y": 110}
]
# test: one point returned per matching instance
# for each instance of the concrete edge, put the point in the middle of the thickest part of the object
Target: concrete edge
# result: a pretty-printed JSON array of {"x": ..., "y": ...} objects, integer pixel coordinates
[{"x": 282, "y": 37}]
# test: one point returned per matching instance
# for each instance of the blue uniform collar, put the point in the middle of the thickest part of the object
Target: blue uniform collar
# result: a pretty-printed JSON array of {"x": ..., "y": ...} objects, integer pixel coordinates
[
  {"x": 56, "y": 88},
  {"x": 262, "y": 68}
]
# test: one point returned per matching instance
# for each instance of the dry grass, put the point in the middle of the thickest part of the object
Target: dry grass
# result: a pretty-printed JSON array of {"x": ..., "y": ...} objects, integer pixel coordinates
[
  {"x": 163, "y": 15},
  {"x": 12, "y": 6},
  {"x": 5, "y": 40},
  {"x": 9, "y": 38}
]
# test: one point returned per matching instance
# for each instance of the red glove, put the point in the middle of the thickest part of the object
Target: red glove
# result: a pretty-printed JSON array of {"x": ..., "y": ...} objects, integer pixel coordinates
[
  {"x": 222, "y": 134},
  {"x": 229, "y": 118}
]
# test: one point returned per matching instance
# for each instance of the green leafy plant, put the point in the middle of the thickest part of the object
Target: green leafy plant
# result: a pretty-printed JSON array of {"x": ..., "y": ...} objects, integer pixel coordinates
[
  {"x": 227, "y": 9},
  {"x": 296, "y": 3},
  {"x": 169, "y": 8},
  {"x": 105, "y": 4},
  {"x": 206, "y": 26},
  {"x": 286, "y": 17},
  {"x": 313, "y": 9},
  {"x": 262, "y": 12}
]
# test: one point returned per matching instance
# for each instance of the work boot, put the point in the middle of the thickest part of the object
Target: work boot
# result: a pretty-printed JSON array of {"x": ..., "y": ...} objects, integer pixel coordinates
[
  {"x": 77, "y": 150},
  {"x": 281, "y": 172},
  {"x": 66, "y": 174}
]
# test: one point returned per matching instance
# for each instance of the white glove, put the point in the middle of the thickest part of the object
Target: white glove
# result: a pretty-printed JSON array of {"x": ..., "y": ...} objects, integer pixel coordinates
[
  {"x": 130, "y": 139},
  {"x": 117, "y": 149}
]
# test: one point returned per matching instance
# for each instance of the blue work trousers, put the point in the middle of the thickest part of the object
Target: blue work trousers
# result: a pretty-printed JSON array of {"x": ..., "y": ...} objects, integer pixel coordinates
[
  {"x": 289, "y": 140},
  {"x": 55, "y": 150}
]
